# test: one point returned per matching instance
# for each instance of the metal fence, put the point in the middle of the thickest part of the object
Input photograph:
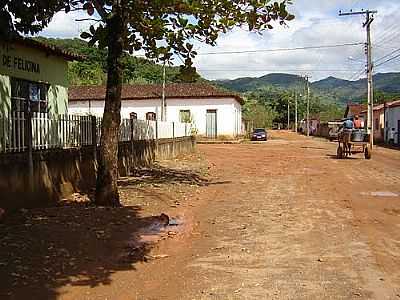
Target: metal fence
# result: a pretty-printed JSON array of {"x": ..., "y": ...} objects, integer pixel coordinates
[{"x": 20, "y": 131}]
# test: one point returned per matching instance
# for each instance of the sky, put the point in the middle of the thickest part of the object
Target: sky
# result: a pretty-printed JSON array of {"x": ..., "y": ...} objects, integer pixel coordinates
[{"x": 316, "y": 24}]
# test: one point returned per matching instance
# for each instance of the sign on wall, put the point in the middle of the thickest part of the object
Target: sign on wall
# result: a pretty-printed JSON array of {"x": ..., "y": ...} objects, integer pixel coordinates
[{"x": 14, "y": 62}]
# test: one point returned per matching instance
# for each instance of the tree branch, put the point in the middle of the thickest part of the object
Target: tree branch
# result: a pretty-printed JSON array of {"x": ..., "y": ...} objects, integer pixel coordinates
[
  {"x": 88, "y": 19},
  {"x": 100, "y": 9}
]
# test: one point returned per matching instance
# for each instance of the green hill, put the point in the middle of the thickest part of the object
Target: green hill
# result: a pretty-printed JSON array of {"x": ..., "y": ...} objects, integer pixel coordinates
[
  {"x": 277, "y": 80},
  {"x": 331, "y": 89},
  {"x": 386, "y": 85}
]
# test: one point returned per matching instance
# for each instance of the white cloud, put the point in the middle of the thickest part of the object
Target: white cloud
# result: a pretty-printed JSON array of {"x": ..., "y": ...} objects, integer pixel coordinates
[
  {"x": 65, "y": 25},
  {"x": 317, "y": 23}
]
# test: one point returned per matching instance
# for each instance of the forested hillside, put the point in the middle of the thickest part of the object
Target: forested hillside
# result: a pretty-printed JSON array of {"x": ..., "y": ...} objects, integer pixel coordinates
[
  {"x": 330, "y": 90},
  {"x": 92, "y": 71},
  {"x": 386, "y": 87}
]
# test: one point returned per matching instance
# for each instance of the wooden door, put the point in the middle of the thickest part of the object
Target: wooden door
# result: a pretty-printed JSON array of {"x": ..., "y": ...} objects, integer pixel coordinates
[{"x": 211, "y": 123}]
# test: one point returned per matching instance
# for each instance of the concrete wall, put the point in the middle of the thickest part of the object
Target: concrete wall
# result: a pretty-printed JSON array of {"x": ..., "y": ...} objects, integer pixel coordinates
[
  {"x": 229, "y": 111},
  {"x": 59, "y": 173},
  {"x": 53, "y": 71}
]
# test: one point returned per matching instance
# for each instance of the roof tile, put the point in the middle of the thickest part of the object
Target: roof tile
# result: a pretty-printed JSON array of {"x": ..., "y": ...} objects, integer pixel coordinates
[{"x": 153, "y": 91}]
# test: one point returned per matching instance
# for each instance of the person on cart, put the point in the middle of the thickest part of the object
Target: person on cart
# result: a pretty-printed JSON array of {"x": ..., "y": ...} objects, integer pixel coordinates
[
  {"x": 357, "y": 122},
  {"x": 348, "y": 126}
]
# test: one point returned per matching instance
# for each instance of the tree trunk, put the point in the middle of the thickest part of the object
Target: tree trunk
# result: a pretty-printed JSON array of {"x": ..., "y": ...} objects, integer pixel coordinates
[{"x": 107, "y": 175}]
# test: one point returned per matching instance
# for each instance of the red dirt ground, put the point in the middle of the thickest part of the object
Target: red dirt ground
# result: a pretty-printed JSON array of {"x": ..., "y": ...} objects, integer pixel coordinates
[{"x": 276, "y": 220}]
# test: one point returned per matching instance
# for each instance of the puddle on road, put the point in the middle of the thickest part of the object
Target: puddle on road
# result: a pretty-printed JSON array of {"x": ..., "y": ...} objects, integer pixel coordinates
[
  {"x": 380, "y": 194},
  {"x": 159, "y": 228}
]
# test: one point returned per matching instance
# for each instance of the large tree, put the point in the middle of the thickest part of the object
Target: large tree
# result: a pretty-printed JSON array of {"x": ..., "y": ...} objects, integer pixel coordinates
[{"x": 161, "y": 28}]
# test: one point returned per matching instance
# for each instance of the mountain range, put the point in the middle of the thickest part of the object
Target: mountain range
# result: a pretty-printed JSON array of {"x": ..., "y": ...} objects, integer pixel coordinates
[{"x": 337, "y": 90}]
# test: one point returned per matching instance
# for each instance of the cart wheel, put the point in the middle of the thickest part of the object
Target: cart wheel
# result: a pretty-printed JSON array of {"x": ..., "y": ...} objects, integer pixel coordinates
[
  {"x": 339, "y": 152},
  {"x": 367, "y": 152}
]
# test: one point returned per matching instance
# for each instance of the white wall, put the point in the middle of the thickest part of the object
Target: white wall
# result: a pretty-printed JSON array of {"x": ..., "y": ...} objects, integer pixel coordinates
[
  {"x": 229, "y": 112},
  {"x": 392, "y": 117}
]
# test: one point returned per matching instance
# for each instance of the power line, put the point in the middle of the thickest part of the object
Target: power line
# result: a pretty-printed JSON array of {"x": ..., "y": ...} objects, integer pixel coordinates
[
  {"x": 284, "y": 49},
  {"x": 387, "y": 33},
  {"x": 356, "y": 75},
  {"x": 273, "y": 70},
  {"x": 387, "y": 55},
  {"x": 392, "y": 38},
  {"x": 388, "y": 38},
  {"x": 388, "y": 60}
]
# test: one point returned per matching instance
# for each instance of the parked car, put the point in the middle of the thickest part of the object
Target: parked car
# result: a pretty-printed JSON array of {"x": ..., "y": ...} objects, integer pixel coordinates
[{"x": 259, "y": 134}]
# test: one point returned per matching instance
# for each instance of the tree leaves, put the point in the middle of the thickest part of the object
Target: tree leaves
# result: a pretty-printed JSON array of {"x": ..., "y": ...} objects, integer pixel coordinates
[
  {"x": 160, "y": 28},
  {"x": 86, "y": 35}
]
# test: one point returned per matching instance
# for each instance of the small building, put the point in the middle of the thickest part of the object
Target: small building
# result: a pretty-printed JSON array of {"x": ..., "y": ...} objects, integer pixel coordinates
[
  {"x": 392, "y": 120},
  {"x": 385, "y": 117},
  {"x": 313, "y": 127},
  {"x": 213, "y": 112},
  {"x": 33, "y": 75},
  {"x": 379, "y": 122}
]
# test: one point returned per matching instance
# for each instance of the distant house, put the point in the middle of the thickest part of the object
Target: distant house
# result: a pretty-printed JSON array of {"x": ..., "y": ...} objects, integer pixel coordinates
[
  {"x": 212, "y": 111},
  {"x": 313, "y": 127},
  {"x": 386, "y": 116},
  {"x": 354, "y": 109},
  {"x": 379, "y": 122},
  {"x": 392, "y": 120}
]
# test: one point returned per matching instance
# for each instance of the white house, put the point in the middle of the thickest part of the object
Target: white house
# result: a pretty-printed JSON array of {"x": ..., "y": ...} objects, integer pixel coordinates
[
  {"x": 212, "y": 111},
  {"x": 392, "y": 120}
]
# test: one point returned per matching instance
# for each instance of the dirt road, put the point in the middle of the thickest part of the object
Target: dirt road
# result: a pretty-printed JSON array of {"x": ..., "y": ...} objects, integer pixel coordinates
[
  {"x": 292, "y": 222},
  {"x": 276, "y": 220}
]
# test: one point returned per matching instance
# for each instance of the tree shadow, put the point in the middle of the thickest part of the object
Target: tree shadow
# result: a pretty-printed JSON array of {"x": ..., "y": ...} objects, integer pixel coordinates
[
  {"x": 43, "y": 250},
  {"x": 334, "y": 156},
  {"x": 161, "y": 175},
  {"x": 314, "y": 148},
  {"x": 388, "y": 146}
]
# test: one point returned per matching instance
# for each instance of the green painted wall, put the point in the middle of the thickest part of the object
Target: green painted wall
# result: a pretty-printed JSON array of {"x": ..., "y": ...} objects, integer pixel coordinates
[{"x": 34, "y": 65}]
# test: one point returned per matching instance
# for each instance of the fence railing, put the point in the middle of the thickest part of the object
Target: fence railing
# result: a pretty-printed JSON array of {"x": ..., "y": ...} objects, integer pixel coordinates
[{"x": 20, "y": 131}]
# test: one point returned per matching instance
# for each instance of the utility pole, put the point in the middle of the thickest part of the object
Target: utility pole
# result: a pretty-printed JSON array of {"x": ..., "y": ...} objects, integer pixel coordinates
[
  {"x": 306, "y": 77},
  {"x": 163, "y": 102},
  {"x": 369, "y": 18},
  {"x": 295, "y": 112},
  {"x": 288, "y": 114}
]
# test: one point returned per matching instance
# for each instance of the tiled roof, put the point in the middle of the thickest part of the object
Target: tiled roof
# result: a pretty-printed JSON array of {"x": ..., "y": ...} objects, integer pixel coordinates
[
  {"x": 395, "y": 103},
  {"x": 354, "y": 109},
  {"x": 153, "y": 91},
  {"x": 47, "y": 48},
  {"x": 378, "y": 107}
]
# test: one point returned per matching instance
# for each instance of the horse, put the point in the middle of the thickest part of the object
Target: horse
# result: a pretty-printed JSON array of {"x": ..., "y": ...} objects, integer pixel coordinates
[{"x": 345, "y": 139}]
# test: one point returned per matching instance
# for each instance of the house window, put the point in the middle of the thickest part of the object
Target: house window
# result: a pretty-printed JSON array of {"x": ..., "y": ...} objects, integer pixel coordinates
[
  {"x": 133, "y": 116},
  {"x": 29, "y": 95},
  {"x": 151, "y": 116},
  {"x": 184, "y": 116},
  {"x": 376, "y": 124}
]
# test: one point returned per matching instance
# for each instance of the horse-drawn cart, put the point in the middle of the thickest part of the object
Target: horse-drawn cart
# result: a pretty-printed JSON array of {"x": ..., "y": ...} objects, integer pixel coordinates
[{"x": 352, "y": 142}]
